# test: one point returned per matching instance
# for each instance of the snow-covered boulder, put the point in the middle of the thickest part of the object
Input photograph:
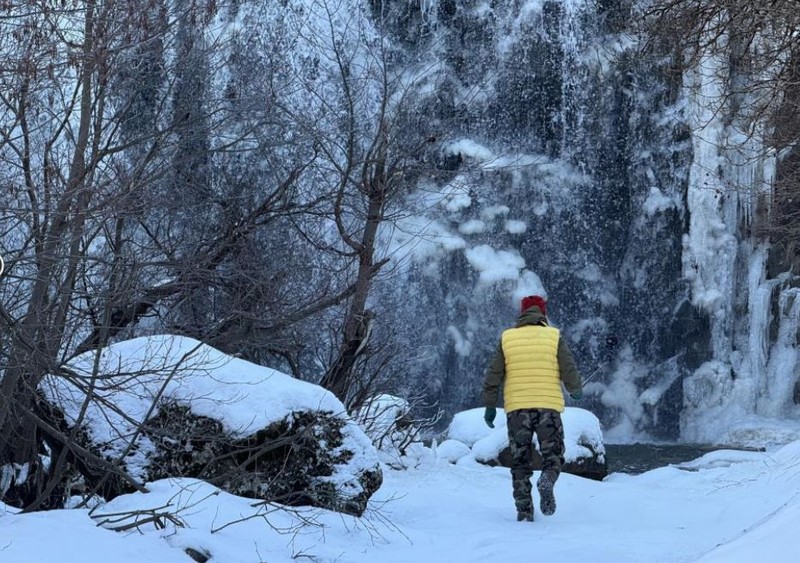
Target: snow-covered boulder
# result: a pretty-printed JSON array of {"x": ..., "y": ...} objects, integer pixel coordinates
[
  {"x": 583, "y": 439},
  {"x": 173, "y": 407}
]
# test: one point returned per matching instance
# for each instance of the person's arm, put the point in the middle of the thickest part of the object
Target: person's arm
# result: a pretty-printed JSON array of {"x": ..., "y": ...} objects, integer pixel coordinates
[
  {"x": 568, "y": 369},
  {"x": 495, "y": 374}
]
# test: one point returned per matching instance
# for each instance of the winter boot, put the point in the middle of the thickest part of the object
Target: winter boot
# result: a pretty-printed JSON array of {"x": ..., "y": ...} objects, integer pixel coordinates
[
  {"x": 547, "y": 500},
  {"x": 525, "y": 516}
]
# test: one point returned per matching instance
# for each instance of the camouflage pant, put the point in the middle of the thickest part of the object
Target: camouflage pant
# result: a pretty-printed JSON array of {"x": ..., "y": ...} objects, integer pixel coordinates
[{"x": 522, "y": 425}]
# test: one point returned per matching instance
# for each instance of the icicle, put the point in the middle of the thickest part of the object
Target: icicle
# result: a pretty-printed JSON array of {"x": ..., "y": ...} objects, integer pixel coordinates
[
  {"x": 6, "y": 478},
  {"x": 776, "y": 395}
]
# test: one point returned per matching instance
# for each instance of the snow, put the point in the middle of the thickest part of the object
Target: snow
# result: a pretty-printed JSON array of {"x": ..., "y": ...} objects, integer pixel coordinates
[
  {"x": 417, "y": 239},
  {"x": 726, "y": 507},
  {"x": 528, "y": 284},
  {"x": 581, "y": 429},
  {"x": 469, "y": 149},
  {"x": 472, "y": 227},
  {"x": 461, "y": 344},
  {"x": 622, "y": 392},
  {"x": 468, "y": 426},
  {"x": 514, "y": 162},
  {"x": 495, "y": 265},
  {"x": 516, "y": 227},
  {"x": 451, "y": 450},
  {"x": 379, "y": 414},
  {"x": 443, "y": 506},
  {"x": 656, "y": 202},
  {"x": 757, "y": 431},
  {"x": 73, "y": 537},
  {"x": 458, "y": 199},
  {"x": 493, "y": 211},
  {"x": 380, "y": 418}
]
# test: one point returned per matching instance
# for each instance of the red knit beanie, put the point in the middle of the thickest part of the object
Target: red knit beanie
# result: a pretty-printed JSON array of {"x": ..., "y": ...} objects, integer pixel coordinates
[{"x": 534, "y": 300}]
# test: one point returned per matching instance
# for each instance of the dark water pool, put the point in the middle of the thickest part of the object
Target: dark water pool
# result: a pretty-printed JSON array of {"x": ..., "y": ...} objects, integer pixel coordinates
[{"x": 638, "y": 458}]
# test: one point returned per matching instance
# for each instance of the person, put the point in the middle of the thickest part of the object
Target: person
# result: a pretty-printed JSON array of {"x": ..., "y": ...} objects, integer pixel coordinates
[{"x": 530, "y": 363}]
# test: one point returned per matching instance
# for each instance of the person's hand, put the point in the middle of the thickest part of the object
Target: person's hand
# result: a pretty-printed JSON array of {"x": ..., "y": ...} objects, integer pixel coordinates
[
  {"x": 577, "y": 395},
  {"x": 488, "y": 416}
]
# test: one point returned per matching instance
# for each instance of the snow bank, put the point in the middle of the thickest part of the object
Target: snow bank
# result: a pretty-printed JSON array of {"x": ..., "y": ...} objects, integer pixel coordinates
[
  {"x": 70, "y": 536},
  {"x": 774, "y": 536}
]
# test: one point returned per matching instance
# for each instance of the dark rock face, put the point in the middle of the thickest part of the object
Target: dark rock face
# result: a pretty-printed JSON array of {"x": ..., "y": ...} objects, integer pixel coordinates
[{"x": 303, "y": 460}]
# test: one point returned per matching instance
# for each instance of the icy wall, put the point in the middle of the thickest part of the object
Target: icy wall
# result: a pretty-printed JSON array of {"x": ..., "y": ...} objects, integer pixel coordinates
[
  {"x": 571, "y": 165},
  {"x": 743, "y": 394}
]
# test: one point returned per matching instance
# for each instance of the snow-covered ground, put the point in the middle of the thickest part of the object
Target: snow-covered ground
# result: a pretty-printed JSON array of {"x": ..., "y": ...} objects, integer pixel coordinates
[{"x": 725, "y": 507}]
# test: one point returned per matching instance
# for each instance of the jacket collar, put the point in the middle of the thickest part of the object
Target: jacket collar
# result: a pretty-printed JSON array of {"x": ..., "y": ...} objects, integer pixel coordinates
[{"x": 532, "y": 316}]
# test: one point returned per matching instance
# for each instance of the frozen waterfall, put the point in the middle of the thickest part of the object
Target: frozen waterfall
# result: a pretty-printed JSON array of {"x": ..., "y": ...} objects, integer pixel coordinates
[{"x": 576, "y": 164}]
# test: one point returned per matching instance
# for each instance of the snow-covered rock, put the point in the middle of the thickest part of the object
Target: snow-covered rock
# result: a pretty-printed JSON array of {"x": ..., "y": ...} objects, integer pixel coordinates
[
  {"x": 583, "y": 439},
  {"x": 171, "y": 406}
]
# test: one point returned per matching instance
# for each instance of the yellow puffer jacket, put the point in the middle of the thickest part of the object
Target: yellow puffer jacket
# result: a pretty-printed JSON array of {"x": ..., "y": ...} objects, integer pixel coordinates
[{"x": 532, "y": 379}]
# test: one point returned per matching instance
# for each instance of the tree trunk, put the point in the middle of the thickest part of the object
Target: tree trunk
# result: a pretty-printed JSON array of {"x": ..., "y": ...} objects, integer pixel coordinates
[
  {"x": 339, "y": 378},
  {"x": 35, "y": 344}
]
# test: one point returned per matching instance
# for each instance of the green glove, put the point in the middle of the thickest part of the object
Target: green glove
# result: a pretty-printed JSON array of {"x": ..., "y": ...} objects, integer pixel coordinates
[
  {"x": 489, "y": 415},
  {"x": 577, "y": 395}
]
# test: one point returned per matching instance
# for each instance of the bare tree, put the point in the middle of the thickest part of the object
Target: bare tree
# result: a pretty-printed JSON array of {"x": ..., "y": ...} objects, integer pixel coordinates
[
  {"x": 94, "y": 245},
  {"x": 368, "y": 161},
  {"x": 140, "y": 194}
]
